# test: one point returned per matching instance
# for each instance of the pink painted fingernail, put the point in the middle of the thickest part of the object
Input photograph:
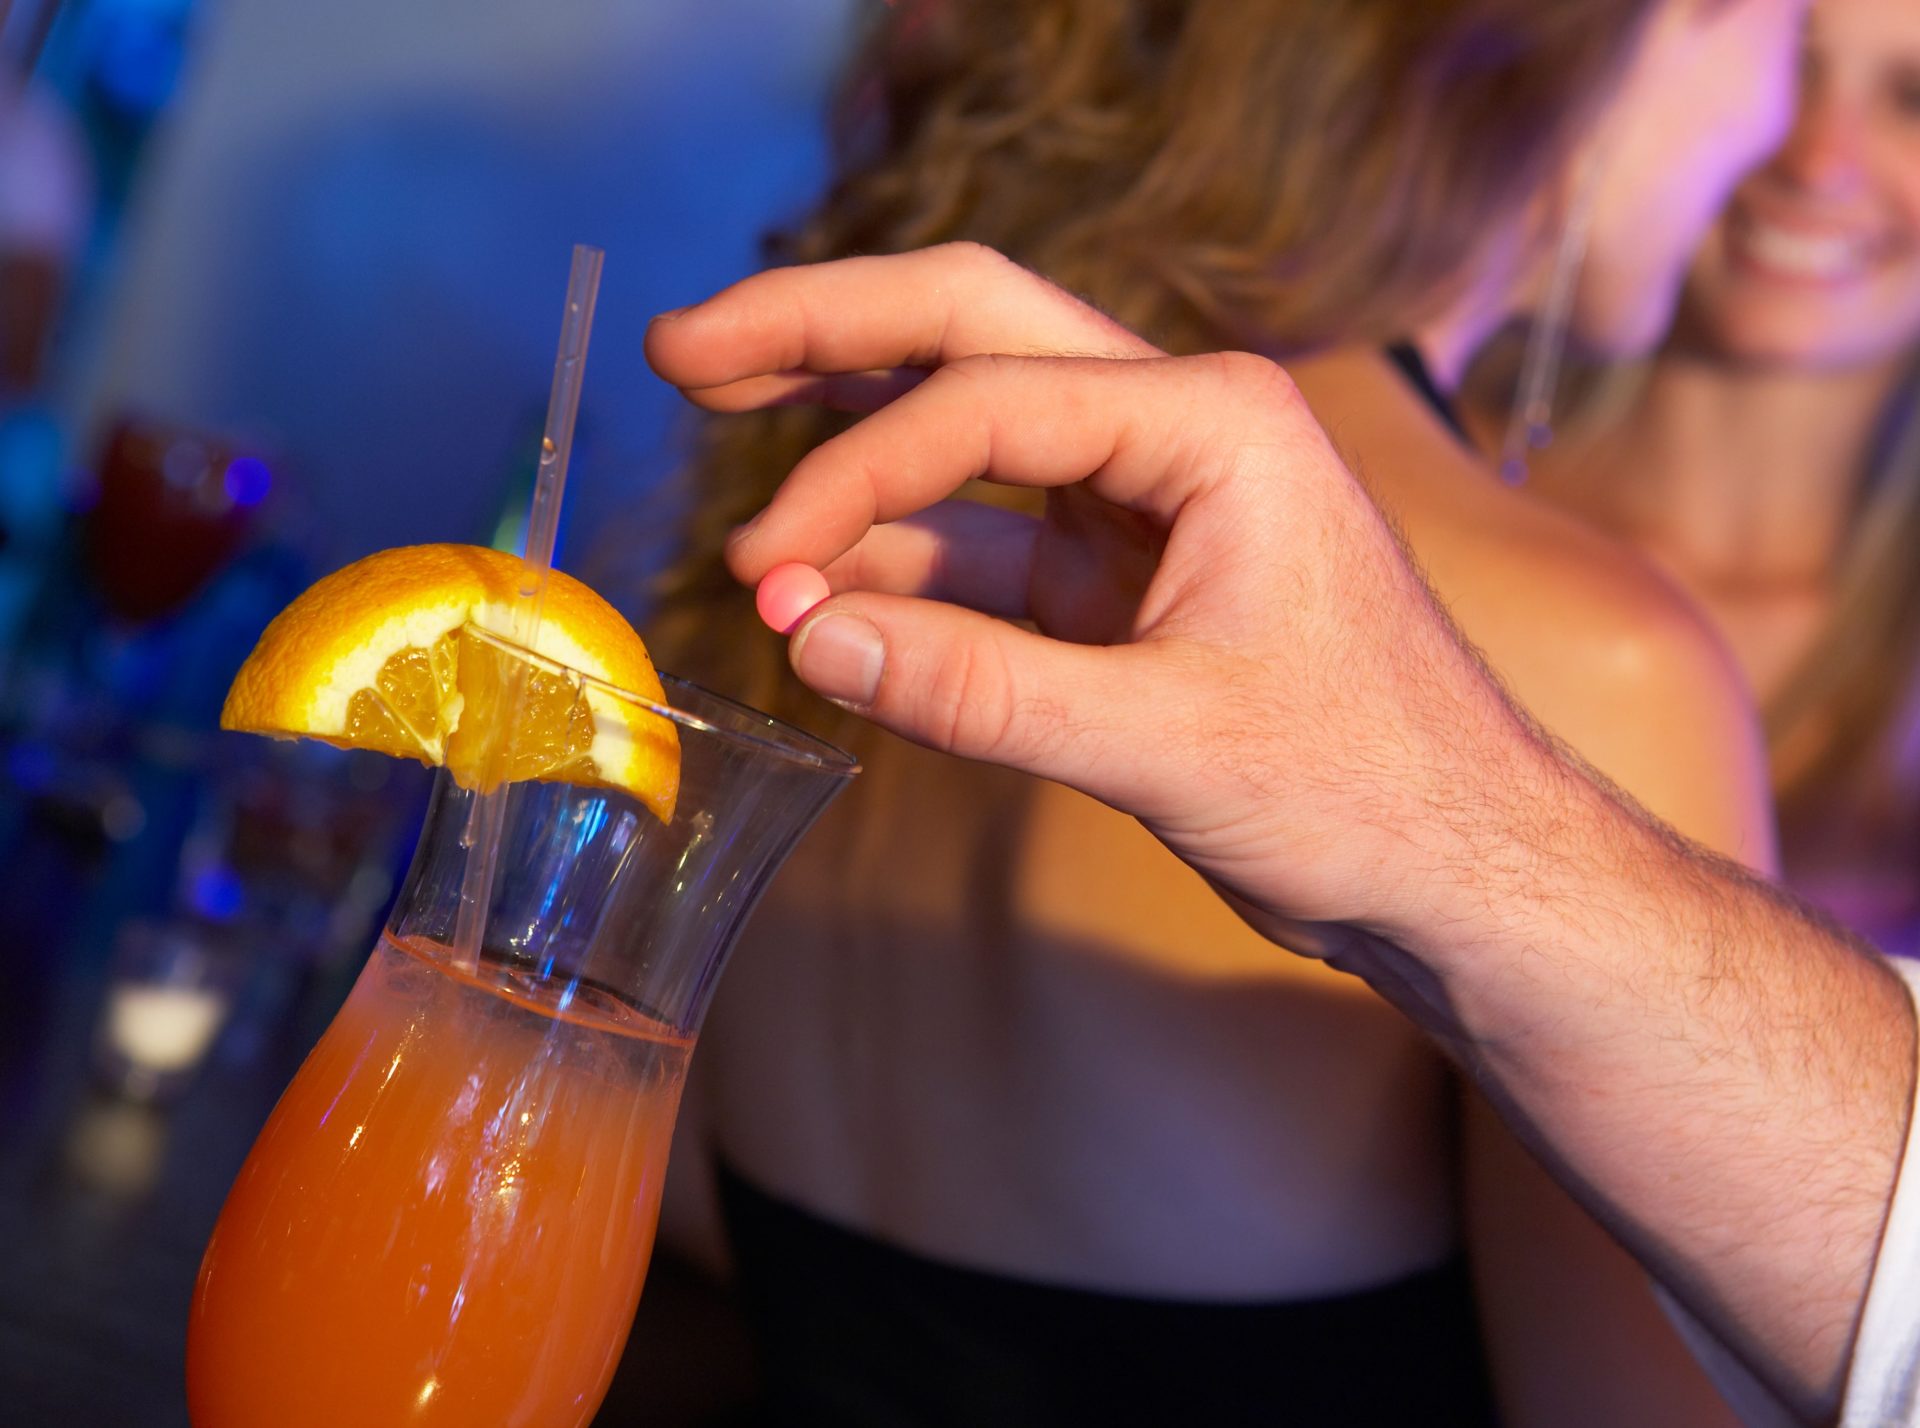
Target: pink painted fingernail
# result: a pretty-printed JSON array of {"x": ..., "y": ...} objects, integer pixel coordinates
[{"x": 787, "y": 592}]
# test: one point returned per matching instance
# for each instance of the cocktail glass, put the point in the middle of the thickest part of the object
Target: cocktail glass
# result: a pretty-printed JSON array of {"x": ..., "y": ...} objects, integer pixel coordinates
[{"x": 447, "y": 1219}]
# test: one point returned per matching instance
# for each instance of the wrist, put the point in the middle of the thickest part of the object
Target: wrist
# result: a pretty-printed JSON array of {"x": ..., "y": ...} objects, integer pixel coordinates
[{"x": 1531, "y": 869}]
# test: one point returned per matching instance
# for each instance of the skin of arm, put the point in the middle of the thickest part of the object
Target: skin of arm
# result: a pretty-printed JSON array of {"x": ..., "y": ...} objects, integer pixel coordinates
[
  {"x": 1592, "y": 643},
  {"x": 1721, "y": 1078},
  {"x": 1575, "y": 1336}
]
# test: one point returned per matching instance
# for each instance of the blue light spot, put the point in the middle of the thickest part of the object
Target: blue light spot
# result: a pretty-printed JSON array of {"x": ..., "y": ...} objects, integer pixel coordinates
[
  {"x": 216, "y": 893},
  {"x": 137, "y": 63},
  {"x": 248, "y": 481}
]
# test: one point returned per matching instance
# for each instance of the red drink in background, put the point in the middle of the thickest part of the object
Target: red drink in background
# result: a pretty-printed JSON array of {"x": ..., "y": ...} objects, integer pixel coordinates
[{"x": 172, "y": 506}]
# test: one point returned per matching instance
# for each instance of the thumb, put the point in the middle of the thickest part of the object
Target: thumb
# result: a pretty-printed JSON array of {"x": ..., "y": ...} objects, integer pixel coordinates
[{"x": 969, "y": 684}]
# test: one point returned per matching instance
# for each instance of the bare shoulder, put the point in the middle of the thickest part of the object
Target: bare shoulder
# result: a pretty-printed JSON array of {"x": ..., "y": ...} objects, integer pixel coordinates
[
  {"x": 1605, "y": 651},
  {"x": 1619, "y": 663}
]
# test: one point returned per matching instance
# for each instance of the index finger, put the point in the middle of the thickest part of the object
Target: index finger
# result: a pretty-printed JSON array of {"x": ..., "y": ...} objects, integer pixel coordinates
[
  {"x": 1143, "y": 435},
  {"x": 920, "y": 309}
]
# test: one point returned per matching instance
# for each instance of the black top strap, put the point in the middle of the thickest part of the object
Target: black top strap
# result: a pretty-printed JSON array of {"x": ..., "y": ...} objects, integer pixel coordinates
[{"x": 1413, "y": 367}]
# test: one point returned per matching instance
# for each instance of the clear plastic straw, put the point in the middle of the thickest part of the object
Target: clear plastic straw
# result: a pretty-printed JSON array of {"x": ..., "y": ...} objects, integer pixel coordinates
[{"x": 488, "y": 814}]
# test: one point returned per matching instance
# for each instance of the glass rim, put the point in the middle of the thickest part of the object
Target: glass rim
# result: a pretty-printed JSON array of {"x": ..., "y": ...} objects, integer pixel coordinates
[{"x": 793, "y": 744}]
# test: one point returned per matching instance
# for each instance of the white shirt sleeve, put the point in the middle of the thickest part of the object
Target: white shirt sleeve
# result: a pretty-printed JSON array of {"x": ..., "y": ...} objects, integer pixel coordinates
[{"x": 1883, "y": 1386}]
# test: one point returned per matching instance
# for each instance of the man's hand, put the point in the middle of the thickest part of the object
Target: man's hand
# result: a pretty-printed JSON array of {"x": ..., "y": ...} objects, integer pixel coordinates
[{"x": 1226, "y": 639}]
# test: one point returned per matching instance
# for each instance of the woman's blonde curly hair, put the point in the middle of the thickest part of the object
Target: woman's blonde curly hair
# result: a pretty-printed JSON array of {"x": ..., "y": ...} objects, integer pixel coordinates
[{"x": 1274, "y": 175}]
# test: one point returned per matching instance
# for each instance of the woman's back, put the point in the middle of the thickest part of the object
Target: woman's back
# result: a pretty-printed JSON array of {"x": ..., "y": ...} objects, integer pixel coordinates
[{"x": 986, "y": 1019}]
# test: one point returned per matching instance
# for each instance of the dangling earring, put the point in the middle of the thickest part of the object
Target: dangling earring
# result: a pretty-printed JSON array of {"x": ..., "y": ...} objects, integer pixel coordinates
[{"x": 1530, "y": 426}]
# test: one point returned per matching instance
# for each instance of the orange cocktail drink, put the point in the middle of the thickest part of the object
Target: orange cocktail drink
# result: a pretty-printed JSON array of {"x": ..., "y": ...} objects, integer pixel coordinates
[{"x": 447, "y": 1219}]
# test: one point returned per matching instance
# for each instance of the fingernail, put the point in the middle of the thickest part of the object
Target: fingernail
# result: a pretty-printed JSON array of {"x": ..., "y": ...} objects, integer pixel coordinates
[
  {"x": 671, "y": 313},
  {"x": 744, "y": 529},
  {"x": 841, "y": 657}
]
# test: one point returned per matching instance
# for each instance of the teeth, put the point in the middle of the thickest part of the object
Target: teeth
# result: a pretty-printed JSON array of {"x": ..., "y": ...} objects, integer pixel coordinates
[{"x": 1803, "y": 255}]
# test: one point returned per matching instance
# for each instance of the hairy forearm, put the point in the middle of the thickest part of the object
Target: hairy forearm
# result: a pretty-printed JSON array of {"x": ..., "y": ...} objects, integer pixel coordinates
[{"x": 1721, "y": 1077}]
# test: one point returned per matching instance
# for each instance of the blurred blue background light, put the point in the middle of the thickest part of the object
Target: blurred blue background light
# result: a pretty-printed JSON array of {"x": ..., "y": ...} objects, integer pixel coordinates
[{"x": 248, "y": 481}]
